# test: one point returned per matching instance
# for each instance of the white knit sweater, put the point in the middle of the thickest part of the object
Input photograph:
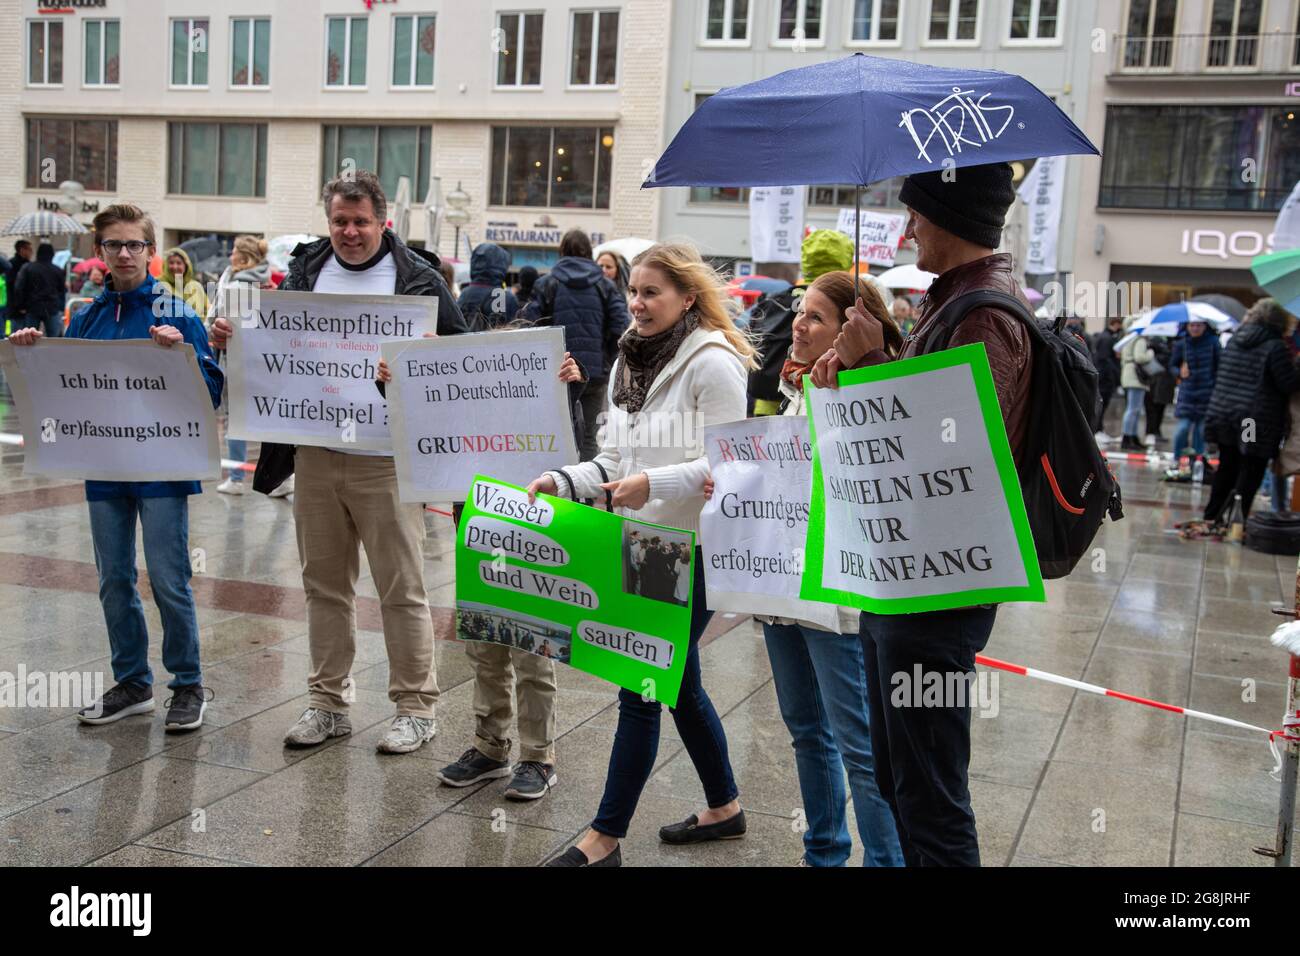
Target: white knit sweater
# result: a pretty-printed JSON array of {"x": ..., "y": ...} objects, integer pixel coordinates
[{"x": 703, "y": 385}]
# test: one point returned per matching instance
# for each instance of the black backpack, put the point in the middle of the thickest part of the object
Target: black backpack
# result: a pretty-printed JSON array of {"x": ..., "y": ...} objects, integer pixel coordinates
[
  {"x": 772, "y": 324},
  {"x": 1067, "y": 486}
]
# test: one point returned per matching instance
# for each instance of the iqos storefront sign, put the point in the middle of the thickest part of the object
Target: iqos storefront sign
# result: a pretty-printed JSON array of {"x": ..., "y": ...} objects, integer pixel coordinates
[{"x": 1217, "y": 244}]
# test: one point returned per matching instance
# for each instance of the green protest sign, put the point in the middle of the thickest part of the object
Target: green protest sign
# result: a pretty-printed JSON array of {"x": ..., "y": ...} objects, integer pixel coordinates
[
  {"x": 605, "y": 594},
  {"x": 916, "y": 505}
]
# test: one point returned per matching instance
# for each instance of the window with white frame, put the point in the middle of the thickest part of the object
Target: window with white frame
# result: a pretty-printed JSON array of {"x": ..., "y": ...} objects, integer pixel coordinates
[
  {"x": 595, "y": 48},
  {"x": 390, "y": 152},
  {"x": 414, "y": 38},
  {"x": 101, "y": 45},
  {"x": 44, "y": 53},
  {"x": 954, "y": 21},
  {"x": 190, "y": 52},
  {"x": 519, "y": 49},
  {"x": 562, "y": 167},
  {"x": 799, "y": 20},
  {"x": 726, "y": 21},
  {"x": 875, "y": 21},
  {"x": 216, "y": 159},
  {"x": 1234, "y": 33},
  {"x": 250, "y": 51},
  {"x": 1035, "y": 19},
  {"x": 345, "y": 60}
]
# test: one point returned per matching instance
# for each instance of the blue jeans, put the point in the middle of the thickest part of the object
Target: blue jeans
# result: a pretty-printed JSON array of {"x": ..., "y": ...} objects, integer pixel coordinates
[
  {"x": 821, "y": 687},
  {"x": 1135, "y": 399},
  {"x": 1189, "y": 434},
  {"x": 237, "y": 451},
  {"x": 636, "y": 742},
  {"x": 166, "y": 524}
]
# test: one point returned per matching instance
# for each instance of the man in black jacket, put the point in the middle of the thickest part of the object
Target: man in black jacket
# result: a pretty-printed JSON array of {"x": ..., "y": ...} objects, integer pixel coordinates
[
  {"x": 39, "y": 294},
  {"x": 576, "y": 296},
  {"x": 1108, "y": 369},
  {"x": 347, "y": 499}
]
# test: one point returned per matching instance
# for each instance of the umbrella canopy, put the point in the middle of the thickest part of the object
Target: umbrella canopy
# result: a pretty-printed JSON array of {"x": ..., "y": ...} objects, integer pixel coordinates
[
  {"x": 206, "y": 254},
  {"x": 1224, "y": 303},
  {"x": 749, "y": 289},
  {"x": 1168, "y": 320},
  {"x": 906, "y": 277},
  {"x": 1034, "y": 296},
  {"x": 85, "y": 265},
  {"x": 280, "y": 249},
  {"x": 43, "y": 223},
  {"x": 860, "y": 120},
  {"x": 629, "y": 248},
  {"x": 1279, "y": 274}
]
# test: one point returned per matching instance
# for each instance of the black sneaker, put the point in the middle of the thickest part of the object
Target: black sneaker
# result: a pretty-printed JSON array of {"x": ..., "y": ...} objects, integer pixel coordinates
[
  {"x": 120, "y": 701},
  {"x": 575, "y": 857},
  {"x": 531, "y": 780},
  {"x": 185, "y": 708},
  {"x": 473, "y": 766}
]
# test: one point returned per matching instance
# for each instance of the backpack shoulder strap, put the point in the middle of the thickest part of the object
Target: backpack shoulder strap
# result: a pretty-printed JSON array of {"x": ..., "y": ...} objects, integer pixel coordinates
[{"x": 945, "y": 323}]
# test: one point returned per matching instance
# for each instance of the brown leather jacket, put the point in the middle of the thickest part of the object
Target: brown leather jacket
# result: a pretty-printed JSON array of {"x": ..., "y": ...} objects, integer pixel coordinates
[{"x": 1004, "y": 338}]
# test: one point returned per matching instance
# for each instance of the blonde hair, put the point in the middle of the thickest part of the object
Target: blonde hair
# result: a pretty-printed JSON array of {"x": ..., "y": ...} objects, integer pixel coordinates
[
  {"x": 691, "y": 275},
  {"x": 122, "y": 212},
  {"x": 251, "y": 248}
]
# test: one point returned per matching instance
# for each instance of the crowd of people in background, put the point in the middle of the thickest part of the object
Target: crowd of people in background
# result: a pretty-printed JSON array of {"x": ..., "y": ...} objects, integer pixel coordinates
[{"x": 656, "y": 338}]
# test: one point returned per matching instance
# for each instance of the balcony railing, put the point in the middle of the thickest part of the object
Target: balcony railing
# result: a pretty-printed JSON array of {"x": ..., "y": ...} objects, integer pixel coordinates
[{"x": 1204, "y": 53}]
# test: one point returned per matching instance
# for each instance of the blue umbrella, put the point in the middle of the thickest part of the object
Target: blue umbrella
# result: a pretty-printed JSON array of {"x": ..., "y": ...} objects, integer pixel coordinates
[
  {"x": 860, "y": 120},
  {"x": 863, "y": 119}
]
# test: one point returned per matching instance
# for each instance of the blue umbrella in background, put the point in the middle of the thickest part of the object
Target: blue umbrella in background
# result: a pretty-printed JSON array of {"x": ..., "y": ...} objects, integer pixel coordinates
[{"x": 862, "y": 119}]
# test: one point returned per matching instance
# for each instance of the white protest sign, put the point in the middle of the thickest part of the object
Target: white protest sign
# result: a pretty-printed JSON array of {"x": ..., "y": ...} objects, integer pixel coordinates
[
  {"x": 491, "y": 402},
  {"x": 303, "y": 364},
  {"x": 880, "y": 234},
  {"x": 752, "y": 530},
  {"x": 127, "y": 410},
  {"x": 916, "y": 505},
  {"x": 776, "y": 215},
  {"x": 1044, "y": 191}
]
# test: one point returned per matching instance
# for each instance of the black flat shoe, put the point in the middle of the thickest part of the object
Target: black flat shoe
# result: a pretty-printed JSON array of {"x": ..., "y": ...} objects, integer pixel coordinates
[
  {"x": 575, "y": 857},
  {"x": 691, "y": 831}
]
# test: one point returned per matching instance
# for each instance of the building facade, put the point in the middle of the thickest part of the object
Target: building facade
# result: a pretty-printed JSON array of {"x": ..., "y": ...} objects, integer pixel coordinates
[
  {"x": 1195, "y": 103},
  {"x": 226, "y": 118},
  {"x": 722, "y": 43}
]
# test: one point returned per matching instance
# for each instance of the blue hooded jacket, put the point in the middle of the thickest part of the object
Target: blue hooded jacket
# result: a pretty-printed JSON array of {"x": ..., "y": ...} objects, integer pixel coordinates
[
  {"x": 592, "y": 312},
  {"x": 1202, "y": 357},
  {"x": 128, "y": 315},
  {"x": 485, "y": 292}
]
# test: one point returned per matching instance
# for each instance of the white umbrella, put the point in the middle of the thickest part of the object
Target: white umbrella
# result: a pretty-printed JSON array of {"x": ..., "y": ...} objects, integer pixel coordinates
[
  {"x": 1168, "y": 320},
  {"x": 629, "y": 248},
  {"x": 1286, "y": 231},
  {"x": 43, "y": 223},
  {"x": 905, "y": 277},
  {"x": 279, "y": 249}
]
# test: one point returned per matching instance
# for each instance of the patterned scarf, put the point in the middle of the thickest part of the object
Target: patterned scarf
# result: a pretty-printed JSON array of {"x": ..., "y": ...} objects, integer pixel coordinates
[{"x": 643, "y": 358}]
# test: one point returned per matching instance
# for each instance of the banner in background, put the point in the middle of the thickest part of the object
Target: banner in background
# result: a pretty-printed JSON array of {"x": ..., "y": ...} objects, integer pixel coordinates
[
  {"x": 776, "y": 215},
  {"x": 915, "y": 501},
  {"x": 302, "y": 367},
  {"x": 752, "y": 530},
  {"x": 602, "y": 593},
  {"x": 128, "y": 410},
  {"x": 1044, "y": 191},
  {"x": 491, "y": 402},
  {"x": 881, "y": 232}
]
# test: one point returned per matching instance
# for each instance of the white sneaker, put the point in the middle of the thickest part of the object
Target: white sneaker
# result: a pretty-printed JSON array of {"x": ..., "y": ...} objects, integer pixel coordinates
[
  {"x": 1150, "y": 441},
  {"x": 407, "y": 733},
  {"x": 285, "y": 489},
  {"x": 231, "y": 487},
  {"x": 1103, "y": 439}
]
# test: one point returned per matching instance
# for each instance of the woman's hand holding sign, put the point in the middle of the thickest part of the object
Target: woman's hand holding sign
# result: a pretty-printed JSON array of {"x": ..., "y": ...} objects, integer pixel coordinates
[
  {"x": 571, "y": 371},
  {"x": 860, "y": 335}
]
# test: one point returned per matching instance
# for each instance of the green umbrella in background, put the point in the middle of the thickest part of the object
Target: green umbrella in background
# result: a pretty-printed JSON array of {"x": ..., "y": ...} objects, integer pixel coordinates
[{"x": 1279, "y": 274}]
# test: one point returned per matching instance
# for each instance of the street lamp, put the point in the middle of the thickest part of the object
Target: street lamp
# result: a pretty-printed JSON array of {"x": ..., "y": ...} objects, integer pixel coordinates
[{"x": 457, "y": 214}]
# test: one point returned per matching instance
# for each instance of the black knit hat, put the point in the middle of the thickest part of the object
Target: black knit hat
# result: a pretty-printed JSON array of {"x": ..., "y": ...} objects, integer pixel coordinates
[{"x": 972, "y": 206}]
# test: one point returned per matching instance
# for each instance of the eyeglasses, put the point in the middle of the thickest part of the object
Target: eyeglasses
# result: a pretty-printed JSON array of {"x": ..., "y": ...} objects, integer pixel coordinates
[{"x": 134, "y": 246}]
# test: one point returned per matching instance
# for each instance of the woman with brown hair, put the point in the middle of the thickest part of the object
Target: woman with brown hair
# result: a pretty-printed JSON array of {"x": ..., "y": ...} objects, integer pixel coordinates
[
  {"x": 820, "y": 675},
  {"x": 681, "y": 366}
]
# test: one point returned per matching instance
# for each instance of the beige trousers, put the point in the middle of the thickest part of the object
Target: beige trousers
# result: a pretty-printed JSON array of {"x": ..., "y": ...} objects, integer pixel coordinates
[
  {"x": 341, "y": 502},
  {"x": 500, "y": 675}
]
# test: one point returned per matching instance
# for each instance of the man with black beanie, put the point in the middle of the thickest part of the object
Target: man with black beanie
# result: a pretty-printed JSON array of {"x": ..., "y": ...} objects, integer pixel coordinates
[{"x": 922, "y": 754}]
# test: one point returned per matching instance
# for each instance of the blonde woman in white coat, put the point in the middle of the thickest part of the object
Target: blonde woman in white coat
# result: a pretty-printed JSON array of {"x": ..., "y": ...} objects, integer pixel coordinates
[{"x": 681, "y": 366}]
